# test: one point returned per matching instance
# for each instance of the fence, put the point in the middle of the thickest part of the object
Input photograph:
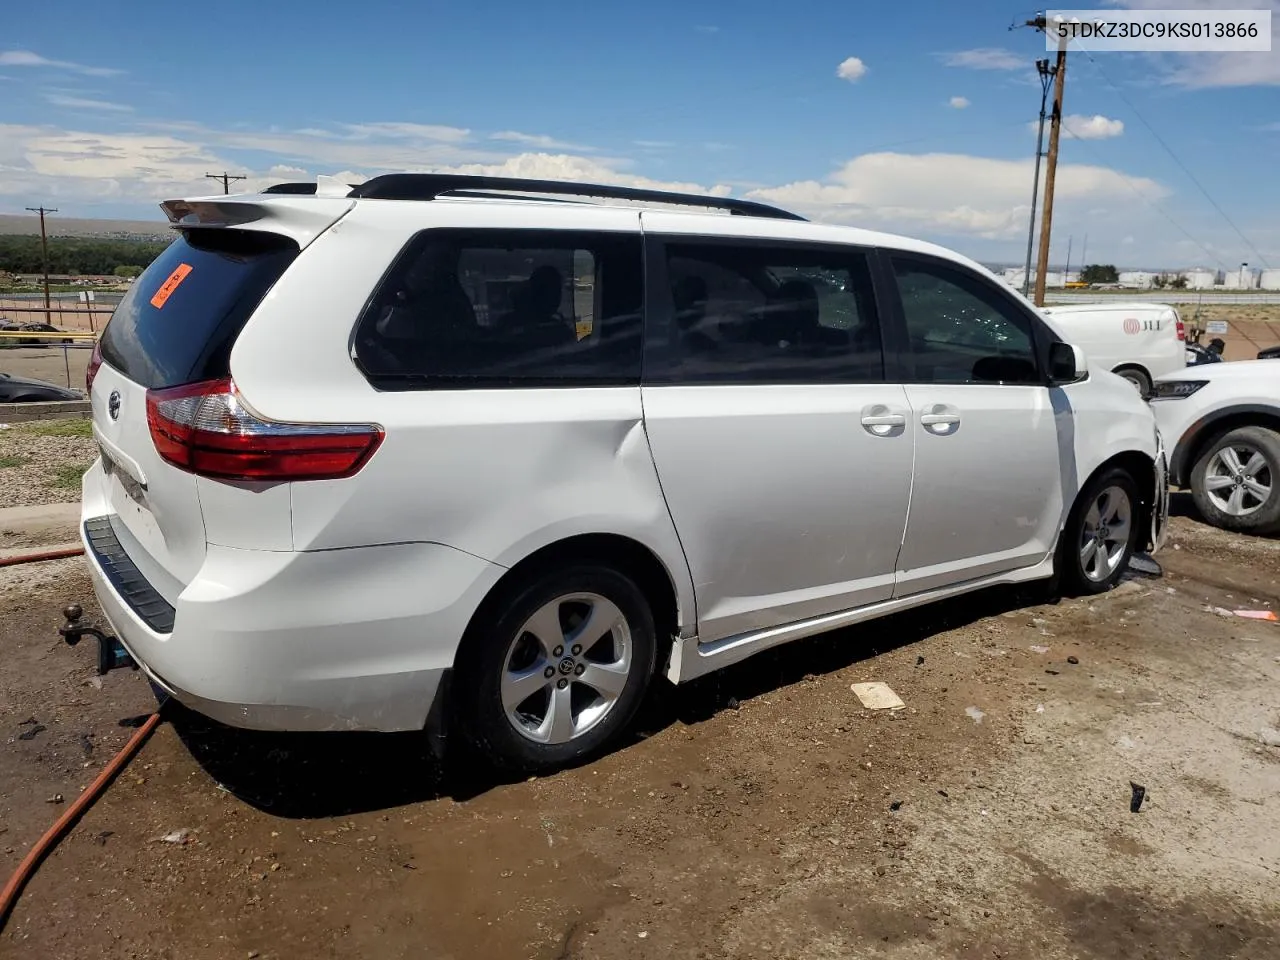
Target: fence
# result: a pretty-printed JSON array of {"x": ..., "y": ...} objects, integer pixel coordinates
[
  {"x": 59, "y": 358},
  {"x": 65, "y": 310}
]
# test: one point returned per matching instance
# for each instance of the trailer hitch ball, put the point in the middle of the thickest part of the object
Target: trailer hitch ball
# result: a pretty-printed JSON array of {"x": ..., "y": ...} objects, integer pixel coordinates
[{"x": 111, "y": 652}]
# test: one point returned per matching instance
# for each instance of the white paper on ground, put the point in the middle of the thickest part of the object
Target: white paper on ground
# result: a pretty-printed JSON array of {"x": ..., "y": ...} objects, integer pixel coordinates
[{"x": 877, "y": 696}]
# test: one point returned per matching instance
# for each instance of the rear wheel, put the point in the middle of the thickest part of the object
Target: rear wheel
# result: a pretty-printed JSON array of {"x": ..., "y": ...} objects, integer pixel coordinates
[
  {"x": 1141, "y": 382},
  {"x": 1100, "y": 534},
  {"x": 1234, "y": 482},
  {"x": 555, "y": 669}
]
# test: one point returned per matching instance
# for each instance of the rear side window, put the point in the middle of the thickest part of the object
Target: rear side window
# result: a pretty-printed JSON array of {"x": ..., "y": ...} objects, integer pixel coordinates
[
  {"x": 498, "y": 308},
  {"x": 752, "y": 313},
  {"x": 179, "y": 319}
]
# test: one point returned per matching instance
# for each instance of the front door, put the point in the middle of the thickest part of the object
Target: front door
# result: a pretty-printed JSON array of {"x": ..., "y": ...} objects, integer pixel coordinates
[
  {"x": 784, "y": 456},
  {"x": 986, "y": 497}
]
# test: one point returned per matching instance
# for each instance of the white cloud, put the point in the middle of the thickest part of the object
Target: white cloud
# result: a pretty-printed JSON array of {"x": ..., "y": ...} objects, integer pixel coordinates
[
  {"x": 1128, "y": 241},
  {"x": 539, "y": 140},
  {"x": 959, "y": 103},
  {"x": 146, "y": 167},
  {"x": 1096, "y": 127},
  {"x": 82, "y": 103},
  {"x": 667, "y": 144},
  {"x": 851, "y": 69},
  {"x": 407, "y": 131},
  {"x": 949, "y": 194},
  {"x": 1081, "y": 127},
  {"x": 546, "y": 166},
  {"x": 1199, "y": 71},
  {"x": 25, "y": 58},
  {"x": 987, "y": 58}
]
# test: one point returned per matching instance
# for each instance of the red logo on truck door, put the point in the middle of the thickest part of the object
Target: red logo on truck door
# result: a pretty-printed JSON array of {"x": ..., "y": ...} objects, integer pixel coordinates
[{"x": 1132, "y": 326}]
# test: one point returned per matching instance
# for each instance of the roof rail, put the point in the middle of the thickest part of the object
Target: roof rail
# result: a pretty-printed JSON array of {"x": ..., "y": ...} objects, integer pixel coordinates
[{"x": 429, "y": 186}]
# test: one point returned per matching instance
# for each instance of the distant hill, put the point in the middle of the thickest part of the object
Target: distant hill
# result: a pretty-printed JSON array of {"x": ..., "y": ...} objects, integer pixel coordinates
[{"x": 16, "y": 224}]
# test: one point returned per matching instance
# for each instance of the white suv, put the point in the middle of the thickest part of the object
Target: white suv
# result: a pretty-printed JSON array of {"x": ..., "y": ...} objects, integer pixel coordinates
[
  {"x": 1223, "y": 421},
  {"x": 363, "y": 446}
]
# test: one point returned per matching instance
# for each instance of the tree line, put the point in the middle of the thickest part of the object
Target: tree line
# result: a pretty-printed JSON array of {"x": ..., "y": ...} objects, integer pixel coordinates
[{"x": 78, "y": 255}]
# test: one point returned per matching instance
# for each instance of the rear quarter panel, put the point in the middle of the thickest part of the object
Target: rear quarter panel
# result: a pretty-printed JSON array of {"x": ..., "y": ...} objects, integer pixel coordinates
[{"x": 495, "y": 473}]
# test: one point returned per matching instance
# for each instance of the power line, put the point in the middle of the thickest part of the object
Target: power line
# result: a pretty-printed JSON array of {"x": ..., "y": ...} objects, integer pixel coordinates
[
  {"x": 1182, "y": 166},
  {"x": 224, "y": 178},
  {"x": 1147, "y": 200}
]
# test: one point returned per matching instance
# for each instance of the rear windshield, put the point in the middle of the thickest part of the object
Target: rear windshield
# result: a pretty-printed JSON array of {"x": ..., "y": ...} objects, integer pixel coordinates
[{"x": 179, "y": 319}]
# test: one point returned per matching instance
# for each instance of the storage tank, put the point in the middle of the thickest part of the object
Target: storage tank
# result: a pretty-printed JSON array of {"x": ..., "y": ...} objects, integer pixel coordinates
[
  {"x": 1270, "y": 279},
  {"x": 1201, "y": 279},
  {"x": 1136, "y": 278}
]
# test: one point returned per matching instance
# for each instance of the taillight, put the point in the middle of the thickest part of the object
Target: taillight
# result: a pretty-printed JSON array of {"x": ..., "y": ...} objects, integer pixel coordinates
[
  {"x": 91, "y": 371},
  {"x": 206, "y": 428},
  {"x": 1182, "y": 330}
]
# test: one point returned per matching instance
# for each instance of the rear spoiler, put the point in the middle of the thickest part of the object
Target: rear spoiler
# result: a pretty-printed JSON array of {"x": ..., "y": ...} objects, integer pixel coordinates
[{"x": 300, "y": 220}]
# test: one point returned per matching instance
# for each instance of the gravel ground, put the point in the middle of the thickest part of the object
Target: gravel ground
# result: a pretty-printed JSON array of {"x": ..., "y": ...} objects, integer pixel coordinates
[
  {"x": 759, "y": 812},
  {"x": 42, "y": 462}
]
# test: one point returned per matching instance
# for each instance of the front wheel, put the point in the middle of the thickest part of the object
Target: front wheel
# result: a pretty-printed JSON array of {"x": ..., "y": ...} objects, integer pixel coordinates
[
  {"x": 555, "y": 669},
  {"x": 1100, "y": 534},
  {"x": 1141, "y": 382},
  {"x": 1234, "y": 481}
]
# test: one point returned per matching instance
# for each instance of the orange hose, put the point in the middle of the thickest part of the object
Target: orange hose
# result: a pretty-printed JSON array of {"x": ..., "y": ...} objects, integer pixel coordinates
[
  {"x": 9, "y": 896},
  {"x": 37, "y": 557}
]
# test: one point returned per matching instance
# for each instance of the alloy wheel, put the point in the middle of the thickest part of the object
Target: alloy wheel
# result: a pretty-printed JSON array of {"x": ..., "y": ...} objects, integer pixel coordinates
[
  {"x": 1238, "y": 480},
  {"x": 566, "y": 668},
  {"x": 1105, "y": 532}
]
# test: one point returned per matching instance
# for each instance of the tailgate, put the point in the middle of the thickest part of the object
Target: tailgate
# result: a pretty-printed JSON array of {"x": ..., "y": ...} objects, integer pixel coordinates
[
  {"x": 175, "y": 327},
  {"x": 155, "y": 502}
]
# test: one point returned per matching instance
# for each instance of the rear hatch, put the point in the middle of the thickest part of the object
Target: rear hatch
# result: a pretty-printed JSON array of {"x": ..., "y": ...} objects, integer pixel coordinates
[{"x": 175, "y": 326}]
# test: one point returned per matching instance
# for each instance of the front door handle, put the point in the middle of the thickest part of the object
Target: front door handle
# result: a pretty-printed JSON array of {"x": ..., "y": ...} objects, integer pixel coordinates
[
  {"x": 940, "y": 419},
  {"x": 880, "y": 421}
]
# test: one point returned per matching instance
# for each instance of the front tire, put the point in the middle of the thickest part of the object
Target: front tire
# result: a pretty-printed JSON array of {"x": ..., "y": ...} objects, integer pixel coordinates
[
  {"x": 1141, "y": 382},
  {"x": 1234, "y": 482},
  {"x": 1100, "y": 534},
  {"x": 554, "y": 669}
]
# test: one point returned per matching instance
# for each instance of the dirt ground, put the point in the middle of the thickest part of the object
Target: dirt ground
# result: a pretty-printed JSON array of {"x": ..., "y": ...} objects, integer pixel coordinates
[{"x": 760, "y": 813}]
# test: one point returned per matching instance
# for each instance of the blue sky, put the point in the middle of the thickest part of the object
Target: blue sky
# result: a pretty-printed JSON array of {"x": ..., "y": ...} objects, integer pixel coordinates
[{"x": 925, "y": 131}]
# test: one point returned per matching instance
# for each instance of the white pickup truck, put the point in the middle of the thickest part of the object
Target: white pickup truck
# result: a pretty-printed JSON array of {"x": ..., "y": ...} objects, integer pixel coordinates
[{"x": 1139, "y": 341}]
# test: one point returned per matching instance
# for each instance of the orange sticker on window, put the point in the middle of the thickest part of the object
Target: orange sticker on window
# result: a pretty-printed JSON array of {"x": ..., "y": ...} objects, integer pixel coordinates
[{"x": 170, "y": 285}]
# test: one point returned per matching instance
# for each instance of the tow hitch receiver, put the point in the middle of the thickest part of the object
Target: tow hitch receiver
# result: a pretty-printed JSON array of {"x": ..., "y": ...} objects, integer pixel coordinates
[{"x": 111, "y": 653}]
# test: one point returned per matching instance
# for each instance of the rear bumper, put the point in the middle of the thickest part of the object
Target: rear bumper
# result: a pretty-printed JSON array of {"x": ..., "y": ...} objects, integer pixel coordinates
[{"x": 333, "y": 640}]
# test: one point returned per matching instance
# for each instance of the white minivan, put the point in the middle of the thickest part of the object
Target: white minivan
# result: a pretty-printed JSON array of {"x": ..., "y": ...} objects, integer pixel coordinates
[
  {"x": 531, "y": 444},
  {"x": 1139, "y": 341}
]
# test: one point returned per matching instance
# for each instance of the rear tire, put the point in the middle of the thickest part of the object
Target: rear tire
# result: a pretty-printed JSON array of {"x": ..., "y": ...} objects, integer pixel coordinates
[
  {"x": 1101, "y": 530},
  {"x": 1139, "y": 379},
  {"x": 1236, "y": 481},
  {"x": 552, "y": 671}
]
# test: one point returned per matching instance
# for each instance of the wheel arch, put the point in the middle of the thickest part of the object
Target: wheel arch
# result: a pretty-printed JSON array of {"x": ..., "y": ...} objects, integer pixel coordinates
[
  {"x": 622, "y": 553},
  {"x": 1138, "y": 465},
  {"x": 1120, "y": 368},
  {"x": 1206, "y": 431}
]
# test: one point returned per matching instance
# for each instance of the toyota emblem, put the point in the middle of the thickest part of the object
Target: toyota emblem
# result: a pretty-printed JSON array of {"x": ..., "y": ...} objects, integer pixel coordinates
[{"x": 113, "y": 404}]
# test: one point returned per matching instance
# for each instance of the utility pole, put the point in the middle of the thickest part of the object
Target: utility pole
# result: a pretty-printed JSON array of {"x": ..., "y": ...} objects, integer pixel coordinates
[
  {"x": 44, "y": 250},
  {"x": 1046, "y": 76},
  {"x": 1051, "y": 167},
  {"x": 1084, "y": 252},
  {"x": 225, "y": 178},
  {"x": 1066, "y": 271}
]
